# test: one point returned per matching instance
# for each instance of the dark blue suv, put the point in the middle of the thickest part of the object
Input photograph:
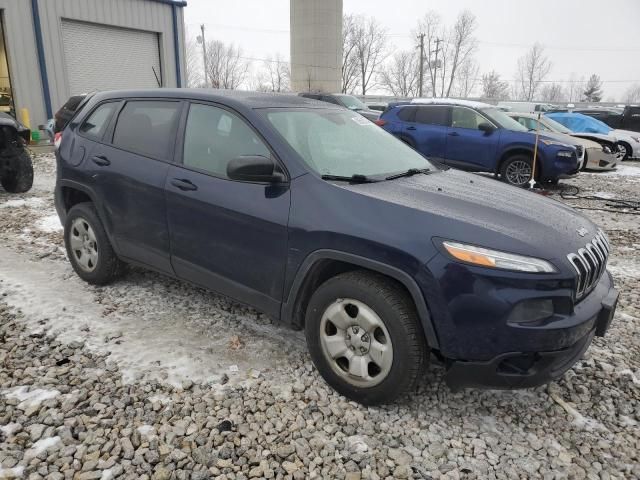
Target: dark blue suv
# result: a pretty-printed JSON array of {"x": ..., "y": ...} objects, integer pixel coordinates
[
  {"x": 317, "y": 217},
  {"x": 478, "y": 137}
]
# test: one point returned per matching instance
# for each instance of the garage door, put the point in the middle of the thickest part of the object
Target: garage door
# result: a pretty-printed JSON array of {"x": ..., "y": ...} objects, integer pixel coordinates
[{"x": 101, "y": 57}]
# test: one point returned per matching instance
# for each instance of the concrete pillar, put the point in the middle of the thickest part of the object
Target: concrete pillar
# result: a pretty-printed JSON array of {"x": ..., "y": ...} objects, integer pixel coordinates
[{"x": 316, "y": 45}]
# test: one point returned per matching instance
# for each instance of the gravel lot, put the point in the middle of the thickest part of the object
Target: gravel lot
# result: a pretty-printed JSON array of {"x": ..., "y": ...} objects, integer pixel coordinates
[{"x": 155, "y": 379}]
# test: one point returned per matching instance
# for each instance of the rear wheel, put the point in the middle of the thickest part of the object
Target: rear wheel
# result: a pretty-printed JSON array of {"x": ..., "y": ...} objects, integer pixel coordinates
[
  {"x": 18, "y": 177},
  {"x": 624, "y": 150},
  {"x": 516, "y": 170},
  {"x": 365, "y": 338},
  {"x": 88, "y": 246}
]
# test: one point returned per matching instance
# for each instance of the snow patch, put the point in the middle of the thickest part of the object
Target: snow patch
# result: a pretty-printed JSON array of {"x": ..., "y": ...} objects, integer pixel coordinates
[
  {"x": 31, "y": 202},
  {"x": 15, "y": 472},
  {"x": 107, "y": 474},
  {"x": 579, "y": 420},
  {"x": 49, "y": 224},
  {"x": 628, "y": 372},
  {"x": 29, "y": 397},
  {"x": 146, "y": 430},
  {"x": 9, "y": 429},
  {"x": 40, "y": 446}
]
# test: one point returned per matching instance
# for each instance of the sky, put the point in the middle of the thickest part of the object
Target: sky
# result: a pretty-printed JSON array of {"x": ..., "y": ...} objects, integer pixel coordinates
[{"x": 581, "y": 37}]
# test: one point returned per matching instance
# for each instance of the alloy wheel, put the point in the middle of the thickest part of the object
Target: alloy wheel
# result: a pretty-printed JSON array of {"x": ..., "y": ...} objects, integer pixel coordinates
[
  {"x": 518, "y": 172},
  {"x": 356, "y": 343}
]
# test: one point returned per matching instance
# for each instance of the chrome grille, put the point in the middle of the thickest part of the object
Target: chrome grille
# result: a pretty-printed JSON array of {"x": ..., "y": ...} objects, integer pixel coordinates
[{"x": 590, "y": 262}]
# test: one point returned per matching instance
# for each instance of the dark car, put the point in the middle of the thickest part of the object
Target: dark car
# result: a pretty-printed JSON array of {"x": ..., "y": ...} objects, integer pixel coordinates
[
  {"x": 478, "y": 137},
  {"x": 315, "y": 216},
  {"x": 347, "y": 101},
  {"x": 627, "y": 118},
  {"x": 66, "y": 112}
]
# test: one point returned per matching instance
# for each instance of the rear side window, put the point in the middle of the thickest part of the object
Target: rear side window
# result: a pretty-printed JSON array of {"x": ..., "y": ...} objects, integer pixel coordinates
[
  {"x": 214, "y": 136},
  {"x": 436, "y": 115},
  {"x": 96, "y": 123},
  {"x": 147, "y": 127},
  {"x": 407, "y": 114}
]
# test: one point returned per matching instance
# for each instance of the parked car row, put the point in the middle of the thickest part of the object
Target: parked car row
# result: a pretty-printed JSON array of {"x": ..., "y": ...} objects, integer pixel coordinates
[{"x": 312, "y": 214}]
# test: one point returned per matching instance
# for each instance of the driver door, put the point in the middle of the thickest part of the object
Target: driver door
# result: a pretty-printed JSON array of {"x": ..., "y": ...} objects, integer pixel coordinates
[
  {"x": 468, "y": 147},
  {"x": 227, "y": 235}
]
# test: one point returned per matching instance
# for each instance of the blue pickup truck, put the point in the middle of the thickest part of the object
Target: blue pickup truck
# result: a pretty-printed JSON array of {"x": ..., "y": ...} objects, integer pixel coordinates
[{"x": 478, "y": 137}]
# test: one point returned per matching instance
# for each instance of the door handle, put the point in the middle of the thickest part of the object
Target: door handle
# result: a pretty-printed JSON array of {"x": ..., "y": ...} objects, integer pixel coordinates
[
  {"x": 183, "y": 184},
  {"x": 454, "y": 134},
  {"x": 411, "y": 128},
  {"x": 101, "y": 160}
]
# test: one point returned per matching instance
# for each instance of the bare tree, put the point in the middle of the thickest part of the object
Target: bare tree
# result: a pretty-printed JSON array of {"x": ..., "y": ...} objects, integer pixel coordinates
[
  {"x": 533, "y": 67},
  {"x": 552, "y": 92},
  {"x": 467, "y": 78},
  {"x": 193, "y": 65},
  {"x": 400, "y": 74},
  {"x": 593, "y": 90},
  {"x": 370, "y": 50},
  {"x": 575, "y": 88},
  {"x": 632, "y": 95},
  {"x": 226, "y": 68},
  {"x": 493, "y": 88},
  {"x": 350, "y": 70},
  {"x": 276, "y": 74},
  {"x": 461, "y": 46}
]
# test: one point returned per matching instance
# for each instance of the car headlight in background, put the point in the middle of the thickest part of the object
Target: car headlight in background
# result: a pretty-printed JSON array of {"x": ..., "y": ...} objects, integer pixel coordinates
[{"x": 484, "y": 257}]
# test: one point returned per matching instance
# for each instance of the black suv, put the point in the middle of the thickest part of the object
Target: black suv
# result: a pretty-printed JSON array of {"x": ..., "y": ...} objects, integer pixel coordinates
[{"x": 316, "y": 216}]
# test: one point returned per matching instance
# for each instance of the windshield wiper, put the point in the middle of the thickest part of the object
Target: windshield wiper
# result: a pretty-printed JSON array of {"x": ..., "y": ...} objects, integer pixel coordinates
[
  {"x": 409, "y": 173},
  {"x": 355, "y": 178}
]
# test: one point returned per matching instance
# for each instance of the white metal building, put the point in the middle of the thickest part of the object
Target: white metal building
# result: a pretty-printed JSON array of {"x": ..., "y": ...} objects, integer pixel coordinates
[
  {"x": 52, "y": 49},
  {"x": 316, "y": 45}
]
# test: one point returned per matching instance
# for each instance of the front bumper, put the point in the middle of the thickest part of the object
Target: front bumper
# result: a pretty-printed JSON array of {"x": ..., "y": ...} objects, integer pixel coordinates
[
  {"x": 531, "y": 368},
  {"x": 598, "y": 159}
]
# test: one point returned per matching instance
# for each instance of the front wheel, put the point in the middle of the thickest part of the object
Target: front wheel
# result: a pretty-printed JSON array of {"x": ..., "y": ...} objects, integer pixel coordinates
[
  {"x": 365, "y": 338},
  {"x": 19, "y": 176},
  {"x": 517, "y": 170},
  {"x": 624, "y": 150}
]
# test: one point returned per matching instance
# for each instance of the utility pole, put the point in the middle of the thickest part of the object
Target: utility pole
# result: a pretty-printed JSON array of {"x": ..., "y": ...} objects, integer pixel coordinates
[
  {"x": 421, "y": 72},
  {"x": 204, "y": 55},
  {"x": 435, "y": 66}
]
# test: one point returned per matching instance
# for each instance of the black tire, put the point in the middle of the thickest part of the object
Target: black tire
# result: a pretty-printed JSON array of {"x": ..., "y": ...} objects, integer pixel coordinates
[
  {"x": 512, "y": 162},
  {"x": 108, "y": 266},
  {"x": 396, "y": 309},
  {"x": 628, "y": 150},
  {"x": 18, "y": 178}
]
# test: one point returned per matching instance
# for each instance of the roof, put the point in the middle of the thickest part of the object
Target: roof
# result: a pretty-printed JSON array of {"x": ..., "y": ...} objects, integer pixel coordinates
[
  {"x": 177, "y": 3},
  {"x": 229, "y": 97},
  {"x": 452, "y": 101}
]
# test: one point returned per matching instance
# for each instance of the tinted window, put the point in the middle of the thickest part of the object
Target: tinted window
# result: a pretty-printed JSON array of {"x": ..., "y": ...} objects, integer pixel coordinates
[
  {"x": 147, "y": 127},
  {"x": 407, "y": 114},
  {"x": 96, "y": 124},
  {"x": 436, "y": 115},
  {"x": 214, "y": 136},
  {"x": 466, "y": 118}
]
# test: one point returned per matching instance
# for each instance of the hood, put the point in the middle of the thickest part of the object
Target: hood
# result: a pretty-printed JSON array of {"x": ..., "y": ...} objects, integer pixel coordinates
[
  {"x": 596, "y": 137},
  {"x": 620, "y": 134},
  {"x": 483, "y": 211},
  {"x": 372, "y": 115},
  {"x": 564, "y": 138}
]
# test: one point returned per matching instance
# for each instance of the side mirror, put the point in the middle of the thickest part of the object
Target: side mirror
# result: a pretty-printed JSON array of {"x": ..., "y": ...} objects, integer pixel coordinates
[
  {"x": 485, "y": 127},
  {"x": 254, "y": 168}
]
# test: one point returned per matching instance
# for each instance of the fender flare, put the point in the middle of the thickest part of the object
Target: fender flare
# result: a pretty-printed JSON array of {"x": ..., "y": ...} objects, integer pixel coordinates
[{"x": 402, "y": 277}]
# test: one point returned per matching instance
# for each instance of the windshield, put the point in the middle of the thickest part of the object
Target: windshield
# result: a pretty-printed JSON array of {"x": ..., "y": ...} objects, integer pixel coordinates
[
  {"x": 334, "y": 142},
  {"x": 503, "y": 120},
  {"x": 351, "y": 102},
  {"x": 555, "y": 126}
]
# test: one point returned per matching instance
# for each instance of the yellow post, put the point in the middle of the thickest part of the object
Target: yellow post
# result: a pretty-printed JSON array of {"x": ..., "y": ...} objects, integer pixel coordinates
[
  {"x": 532, "y": 182},
  {"x": 24, "y": 117}
]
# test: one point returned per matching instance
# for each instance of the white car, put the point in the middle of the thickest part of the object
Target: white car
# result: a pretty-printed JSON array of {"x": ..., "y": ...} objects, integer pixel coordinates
[{"x": 599, "y": 151}]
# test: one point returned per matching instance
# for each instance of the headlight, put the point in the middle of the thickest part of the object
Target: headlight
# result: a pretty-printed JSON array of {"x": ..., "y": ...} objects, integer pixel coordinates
[
  {"x": 564, "y": 153},
  {"x": 485, "y": 257},
  {"x": 546, "y": 141},
  {"x": 636, "y": 139}
]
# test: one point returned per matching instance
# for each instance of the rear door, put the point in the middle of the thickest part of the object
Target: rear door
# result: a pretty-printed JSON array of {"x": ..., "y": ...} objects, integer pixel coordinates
[
  {"x": 468, "y": 147},
  {"x": 226, "y": 235},
  {"x": 428, "y": 130},
  {"x": 128, "y": 174}
]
